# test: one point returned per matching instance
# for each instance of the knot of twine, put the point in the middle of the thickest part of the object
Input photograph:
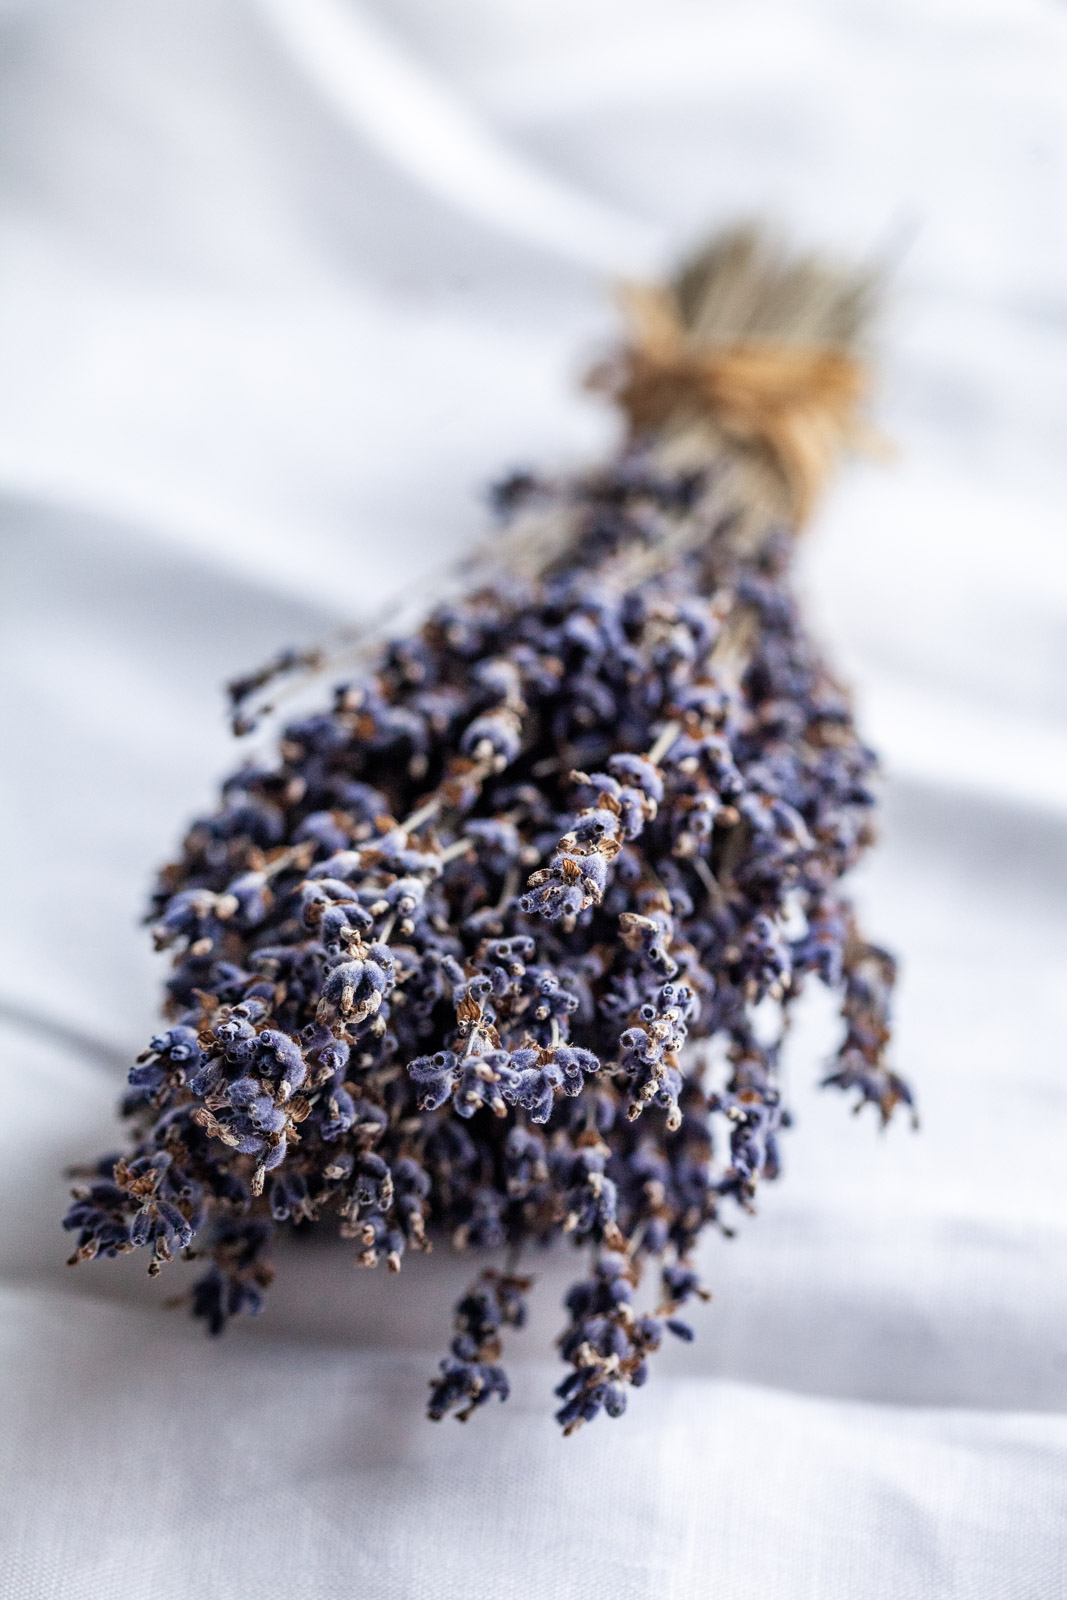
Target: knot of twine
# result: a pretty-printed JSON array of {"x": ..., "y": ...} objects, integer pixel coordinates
[{"x": 801, "y": 402}]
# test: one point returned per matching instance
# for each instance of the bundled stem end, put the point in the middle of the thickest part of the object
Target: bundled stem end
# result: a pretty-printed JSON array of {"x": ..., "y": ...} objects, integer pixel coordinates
[{"x": 749, "y": 348}]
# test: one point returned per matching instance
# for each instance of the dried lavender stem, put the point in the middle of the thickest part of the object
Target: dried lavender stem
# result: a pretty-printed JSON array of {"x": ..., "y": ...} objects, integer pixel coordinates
[
  {"x": 394, "y": 1035},
  {"x": 663, "y": 743},
  {"x": 423, "y": 814}
]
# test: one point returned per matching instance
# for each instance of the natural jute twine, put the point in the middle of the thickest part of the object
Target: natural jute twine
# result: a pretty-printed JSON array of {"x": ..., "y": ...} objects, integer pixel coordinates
[{"x": 801, "y": 402}]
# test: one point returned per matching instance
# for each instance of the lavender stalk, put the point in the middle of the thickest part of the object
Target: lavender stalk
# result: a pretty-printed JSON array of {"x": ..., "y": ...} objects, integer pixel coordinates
[{"x": 629, "y": 790}]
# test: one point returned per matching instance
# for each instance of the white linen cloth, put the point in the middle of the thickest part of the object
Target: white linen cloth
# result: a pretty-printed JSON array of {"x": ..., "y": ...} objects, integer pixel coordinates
[{"x": 282, "y": 282}]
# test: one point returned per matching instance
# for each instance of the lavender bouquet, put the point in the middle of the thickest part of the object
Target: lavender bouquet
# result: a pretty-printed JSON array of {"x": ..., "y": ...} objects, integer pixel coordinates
[{"x": 501, "y": 942}]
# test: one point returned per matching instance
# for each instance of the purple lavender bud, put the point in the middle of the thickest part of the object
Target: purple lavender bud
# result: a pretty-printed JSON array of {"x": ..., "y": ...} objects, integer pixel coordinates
[
  {"x": 499, "y": 732},
  {"x": 208, "y": 1078},
  {"x": 179, "y": 1045},
  {"x": 554, "y": 900},
  {"x": 639, "y": 774},
  {"x": 279, "y": 1057},
  {"x": 338, "y": 1113},
  {"x": 614, "y": 1398},
  {"x": 574, "y": 1063},
  {"x": 681, "y": 1330},
  {"x": 147, "y": 1075},
  {"x": 323, "y": 829}
]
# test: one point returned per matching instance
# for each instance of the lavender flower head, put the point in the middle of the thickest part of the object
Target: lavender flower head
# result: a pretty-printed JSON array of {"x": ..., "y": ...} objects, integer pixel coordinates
[{"x": 454, "y": 960}]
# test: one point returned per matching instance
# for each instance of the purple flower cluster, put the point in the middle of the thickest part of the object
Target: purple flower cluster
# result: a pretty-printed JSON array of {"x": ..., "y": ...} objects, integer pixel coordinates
[{"x": 488, "y": 949}]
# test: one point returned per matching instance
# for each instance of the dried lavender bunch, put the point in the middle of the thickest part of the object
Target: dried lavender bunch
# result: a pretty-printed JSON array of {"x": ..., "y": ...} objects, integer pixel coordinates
[{"x": 551, "y": 998}]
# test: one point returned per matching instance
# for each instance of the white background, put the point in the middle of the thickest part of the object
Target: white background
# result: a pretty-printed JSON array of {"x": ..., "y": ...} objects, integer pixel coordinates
[{"x": 283, "y": 283}]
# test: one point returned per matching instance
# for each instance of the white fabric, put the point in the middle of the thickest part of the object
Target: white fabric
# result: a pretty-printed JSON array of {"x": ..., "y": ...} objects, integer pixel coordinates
[{"x": 277, "y": 294}]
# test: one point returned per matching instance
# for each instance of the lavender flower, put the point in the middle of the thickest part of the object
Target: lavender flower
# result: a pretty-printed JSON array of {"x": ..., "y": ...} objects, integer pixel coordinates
[{"x": 451, "y": 961}]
